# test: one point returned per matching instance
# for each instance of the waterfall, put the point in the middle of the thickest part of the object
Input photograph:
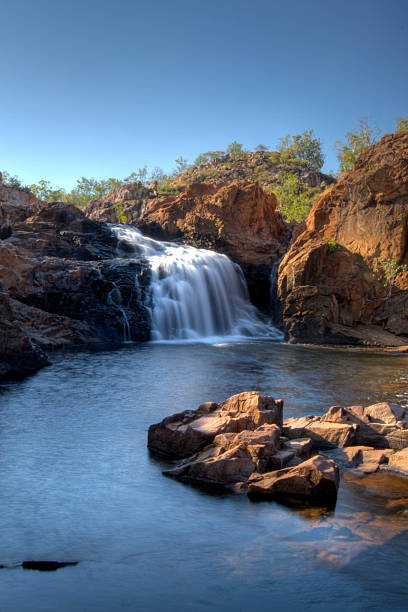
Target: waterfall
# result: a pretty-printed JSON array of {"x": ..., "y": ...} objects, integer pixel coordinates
[{"x": 195, "y": 294}]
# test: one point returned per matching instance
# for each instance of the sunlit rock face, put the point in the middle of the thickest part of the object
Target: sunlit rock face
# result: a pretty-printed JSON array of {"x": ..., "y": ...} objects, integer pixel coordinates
[
  {"x": 15, "y": 206},
  {"x": 330, "y": 294},
  {"x": 188, "y": 432},
  {"x": 381, "y": 425},
  {"x": 244, "y": 444}
]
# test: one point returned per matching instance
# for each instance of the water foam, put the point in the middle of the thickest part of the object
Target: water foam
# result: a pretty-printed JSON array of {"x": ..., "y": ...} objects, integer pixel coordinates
[{"x": 196, "y": 294}]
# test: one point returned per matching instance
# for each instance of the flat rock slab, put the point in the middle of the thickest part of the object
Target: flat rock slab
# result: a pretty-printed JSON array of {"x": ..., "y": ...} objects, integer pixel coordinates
[
  {"x": 315, "y": 481},
  {"x": 362, "y": 458}
]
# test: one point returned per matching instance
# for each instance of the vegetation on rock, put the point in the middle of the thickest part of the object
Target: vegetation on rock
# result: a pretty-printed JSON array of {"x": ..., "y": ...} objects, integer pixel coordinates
[
  {"x": 387, "y": 270},
  {"x": 362, "y": 136}
]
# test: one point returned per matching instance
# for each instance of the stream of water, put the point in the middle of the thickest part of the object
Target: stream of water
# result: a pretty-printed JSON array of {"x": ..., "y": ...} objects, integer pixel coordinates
[{"x": 78, "y": 484}]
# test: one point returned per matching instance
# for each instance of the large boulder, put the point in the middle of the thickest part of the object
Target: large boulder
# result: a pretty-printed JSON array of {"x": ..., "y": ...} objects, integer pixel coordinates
[
  {"x": 315, "y": 481},
  {"x": 326, "y": 284},
  {"x": 183, "y": 434}
]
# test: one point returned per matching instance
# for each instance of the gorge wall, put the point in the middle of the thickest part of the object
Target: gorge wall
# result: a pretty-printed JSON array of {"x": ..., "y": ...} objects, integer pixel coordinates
[
  {"x": 62, "y": 283},
  {"x": 329, "y": 294}
]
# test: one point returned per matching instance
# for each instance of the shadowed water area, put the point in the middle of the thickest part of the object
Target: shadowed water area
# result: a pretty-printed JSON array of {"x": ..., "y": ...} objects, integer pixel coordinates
[{"x": 78, "y": 484}]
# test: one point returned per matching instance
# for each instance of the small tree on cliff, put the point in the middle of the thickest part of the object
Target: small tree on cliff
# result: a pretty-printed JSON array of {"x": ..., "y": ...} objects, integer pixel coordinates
[
  {"x": 387, "y": 271},
  {"x": 304, "y": 147},
  {"x": 362, "y": 136},
  {"x": 234, "y": 149},
  {"x": 402, "y": 124},
  {"x": 295, "y": 198}
]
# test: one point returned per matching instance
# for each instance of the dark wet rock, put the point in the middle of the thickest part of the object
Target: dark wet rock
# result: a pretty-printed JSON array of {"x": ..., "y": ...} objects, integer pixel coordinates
[
  {"x": 63, "y": 284},
  {"x": 46, "y": 566},
  {"x": 19, "y": 356},
  {"x": 315, "y": 481}
]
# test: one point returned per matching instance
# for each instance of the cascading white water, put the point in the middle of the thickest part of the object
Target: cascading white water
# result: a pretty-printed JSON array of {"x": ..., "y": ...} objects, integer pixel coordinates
[{"x": 196, "y": 294}]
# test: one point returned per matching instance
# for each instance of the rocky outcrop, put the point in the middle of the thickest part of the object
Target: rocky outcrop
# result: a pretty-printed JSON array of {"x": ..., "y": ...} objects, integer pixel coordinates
[
  {"x": 381, "y": 425},
  {"x": 62, "y": 284},
  {"x": 326, "y": 284},
  {"x": 238, "y": 220},
  {"x": 124, "y": 204},
  {"x": 188, "y": 432},
  {"x": 242, "y": 444},
  {"x": 15, "y": 206}
]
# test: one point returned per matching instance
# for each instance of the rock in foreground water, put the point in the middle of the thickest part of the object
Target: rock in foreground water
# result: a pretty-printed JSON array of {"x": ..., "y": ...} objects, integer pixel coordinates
[
  {"x": 243, "y": 444},
  {"x": 314, "y": 481},
  {"x": 188, "y": 432}
]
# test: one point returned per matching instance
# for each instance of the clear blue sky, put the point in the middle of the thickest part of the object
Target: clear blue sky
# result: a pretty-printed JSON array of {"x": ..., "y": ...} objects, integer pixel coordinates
[{"x": 100, "y": 88}]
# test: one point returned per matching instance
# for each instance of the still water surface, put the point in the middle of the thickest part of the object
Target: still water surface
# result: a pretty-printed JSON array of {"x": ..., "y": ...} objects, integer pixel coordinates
[{"x": 78, "y": 484}]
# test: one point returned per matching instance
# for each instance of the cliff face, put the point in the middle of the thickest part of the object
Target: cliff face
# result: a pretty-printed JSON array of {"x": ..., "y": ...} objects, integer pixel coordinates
[
  {"x": 61, "y": 284},
  {"x": 329, "y": 294}
]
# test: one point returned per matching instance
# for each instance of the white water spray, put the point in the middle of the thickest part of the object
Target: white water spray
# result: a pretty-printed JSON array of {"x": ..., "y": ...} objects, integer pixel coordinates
[{"x": 196, "y": 294}]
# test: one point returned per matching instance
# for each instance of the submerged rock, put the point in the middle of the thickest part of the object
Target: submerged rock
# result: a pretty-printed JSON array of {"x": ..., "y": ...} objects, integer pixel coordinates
[{"x": 46, "y": 566}]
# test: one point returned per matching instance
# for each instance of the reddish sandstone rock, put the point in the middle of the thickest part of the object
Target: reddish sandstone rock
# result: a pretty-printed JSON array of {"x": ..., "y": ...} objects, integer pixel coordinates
[
  {"x": 363, "y": 458},
  {"x": 239, "y": 220},
  {"x": 380, "y": 425},
  {"x": 323, "y": 434},
  {"x": 232, "y": 458},
  {"x": 183, "y": 434},
  {"x": 331, "y": 295},
  {"x": 398, "y": 462},
  {"x": 314, "y": 481}
]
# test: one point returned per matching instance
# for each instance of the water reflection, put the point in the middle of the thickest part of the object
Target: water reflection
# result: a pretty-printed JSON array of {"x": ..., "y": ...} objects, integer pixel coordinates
[{"x": 77, "y": 482}]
